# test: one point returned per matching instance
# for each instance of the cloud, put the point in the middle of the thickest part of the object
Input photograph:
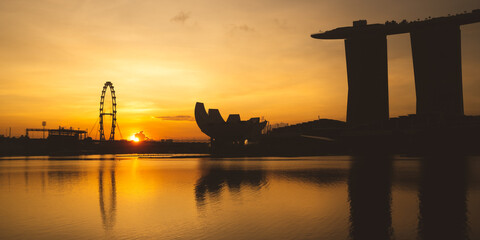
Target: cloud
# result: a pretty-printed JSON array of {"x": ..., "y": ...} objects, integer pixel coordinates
[
  {"x": 181, "y": 17},
  {"x": 281, "y": 23},
  {"x": 244, "y": 28},
  {"x": 176, "y": 118}
]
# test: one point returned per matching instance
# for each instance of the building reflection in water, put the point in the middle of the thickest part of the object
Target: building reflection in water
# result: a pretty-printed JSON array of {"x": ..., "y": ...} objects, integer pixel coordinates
[
  {"x": 442, "y": 198},
  {"x": 216, "y": 175},
  {"x": 25, "y": 175},
  {"x": 107, "y": 194},
  {"x": 369, "y": 192},
  {"x": 65, "y": 177},
  {"x": 442, "y": 193},
  {"x": 320, "y": 177}
]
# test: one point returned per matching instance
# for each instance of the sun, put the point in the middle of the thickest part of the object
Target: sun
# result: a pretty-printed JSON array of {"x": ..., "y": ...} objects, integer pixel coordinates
[{"x": 135, "y": 139}]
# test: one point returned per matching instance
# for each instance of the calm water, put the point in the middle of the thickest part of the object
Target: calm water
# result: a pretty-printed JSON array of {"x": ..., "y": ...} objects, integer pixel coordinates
[{"x": 132, "y": 197}]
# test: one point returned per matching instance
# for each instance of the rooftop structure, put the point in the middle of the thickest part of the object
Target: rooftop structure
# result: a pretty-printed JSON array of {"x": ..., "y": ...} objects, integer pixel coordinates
[{"x": 393, "y": 27}]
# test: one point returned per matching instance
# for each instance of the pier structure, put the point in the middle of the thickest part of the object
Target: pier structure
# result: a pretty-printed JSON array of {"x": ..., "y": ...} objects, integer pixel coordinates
[{"x": 436, "y": 52}]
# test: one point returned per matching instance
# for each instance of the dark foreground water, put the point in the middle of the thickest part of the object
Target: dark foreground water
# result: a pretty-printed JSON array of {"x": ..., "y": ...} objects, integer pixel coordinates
[{"x": 132, "y": 197}]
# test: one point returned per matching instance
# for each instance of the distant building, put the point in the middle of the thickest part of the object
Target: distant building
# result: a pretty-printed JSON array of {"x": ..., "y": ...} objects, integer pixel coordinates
[
  {"x": 60, "y": 133},
  {"x": 233, "y": 130},
  {"x": 436, "y": 52}
]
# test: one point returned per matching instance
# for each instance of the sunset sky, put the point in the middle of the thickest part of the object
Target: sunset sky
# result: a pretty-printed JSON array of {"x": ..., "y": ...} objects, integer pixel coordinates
[{"x": 255, "y": 58}]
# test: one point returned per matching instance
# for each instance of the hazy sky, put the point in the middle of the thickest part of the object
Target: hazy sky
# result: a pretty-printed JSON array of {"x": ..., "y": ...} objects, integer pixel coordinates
[{"x": 255, "y": 58}]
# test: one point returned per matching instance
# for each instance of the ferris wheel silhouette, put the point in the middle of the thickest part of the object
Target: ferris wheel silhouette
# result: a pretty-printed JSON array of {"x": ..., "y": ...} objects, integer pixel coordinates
[{"x": 103, "y": 113}]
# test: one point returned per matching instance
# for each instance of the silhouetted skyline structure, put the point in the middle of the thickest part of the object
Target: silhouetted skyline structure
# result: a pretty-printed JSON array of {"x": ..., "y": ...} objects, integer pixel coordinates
[
  {"x": 103, "y": 113},
  {"x": 61, "y": 132},
  {"x": 436, "y": 51},
  {"x": 232, "y": 131}
]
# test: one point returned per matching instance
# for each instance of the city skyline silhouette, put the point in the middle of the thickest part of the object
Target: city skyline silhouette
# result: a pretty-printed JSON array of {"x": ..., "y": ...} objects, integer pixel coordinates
[
  {"x": 252, "y": 58},
  {"x": 226, "y": 119}
]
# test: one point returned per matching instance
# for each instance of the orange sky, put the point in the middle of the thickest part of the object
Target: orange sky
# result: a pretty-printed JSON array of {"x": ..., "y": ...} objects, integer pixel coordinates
[{"x": 255, "y": 58}]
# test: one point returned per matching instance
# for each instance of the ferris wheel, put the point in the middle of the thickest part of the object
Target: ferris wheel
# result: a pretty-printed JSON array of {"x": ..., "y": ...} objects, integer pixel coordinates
[{"x": 103, "y": 113}]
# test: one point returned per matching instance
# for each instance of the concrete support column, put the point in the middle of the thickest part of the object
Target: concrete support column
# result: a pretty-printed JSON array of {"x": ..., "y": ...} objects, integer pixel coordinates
[
  {"x": 437, "y": 65},
  {"x": 367, "y": 71}
]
